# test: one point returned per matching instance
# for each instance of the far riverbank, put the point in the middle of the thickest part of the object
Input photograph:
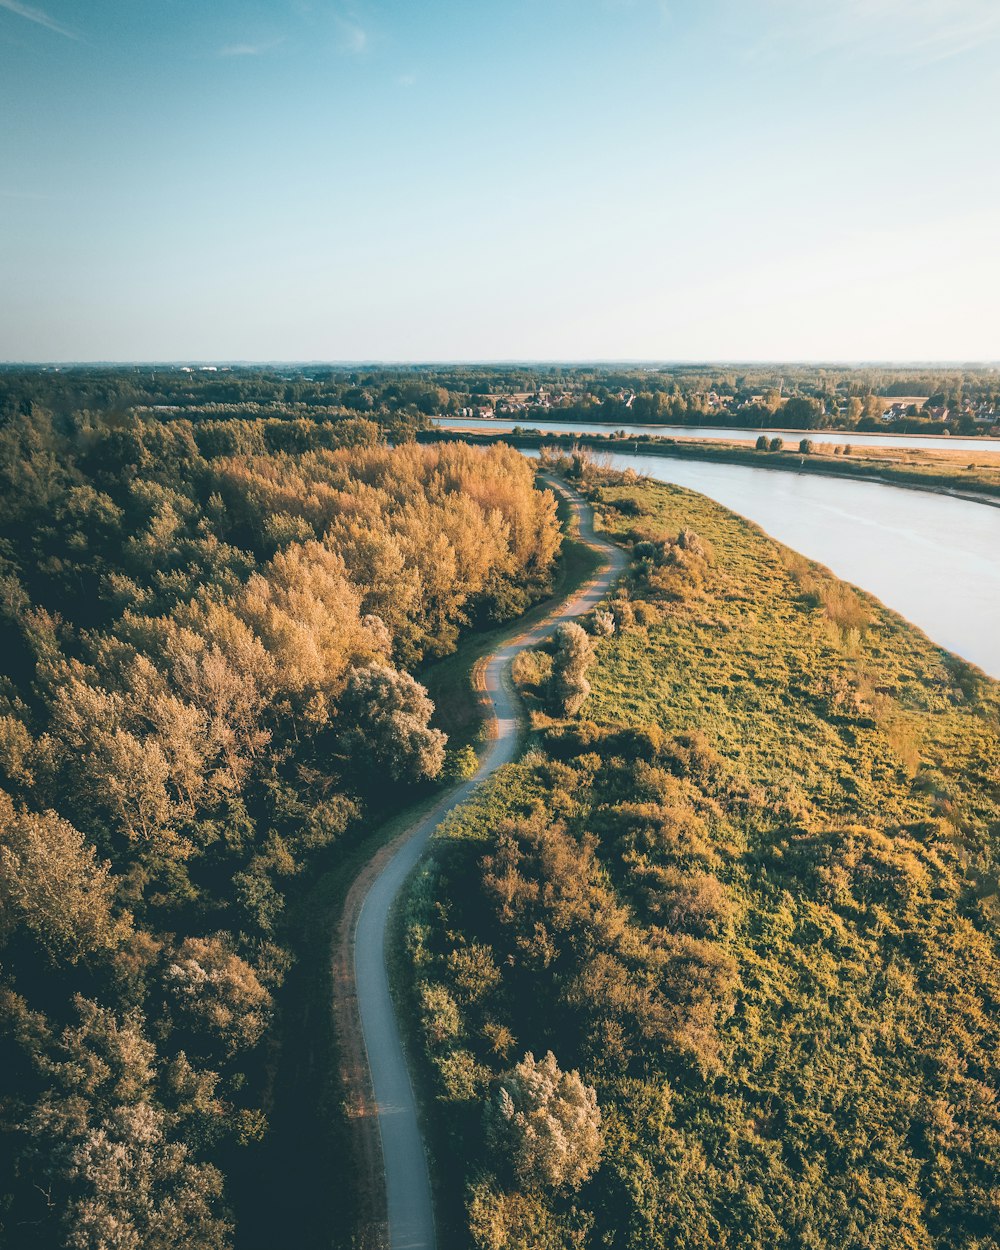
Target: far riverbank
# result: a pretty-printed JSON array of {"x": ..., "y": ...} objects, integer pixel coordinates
[{"x": 976, "y": 483}]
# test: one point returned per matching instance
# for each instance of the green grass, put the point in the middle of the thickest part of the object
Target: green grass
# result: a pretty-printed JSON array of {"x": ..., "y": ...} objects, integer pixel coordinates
[
  {"x": 805, "y": 1055},
  {"x": 756, "y": 647}
]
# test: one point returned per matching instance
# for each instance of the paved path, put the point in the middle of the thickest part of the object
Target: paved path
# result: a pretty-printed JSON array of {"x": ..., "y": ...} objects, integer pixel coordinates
[{"x": 407, "y": 1184}]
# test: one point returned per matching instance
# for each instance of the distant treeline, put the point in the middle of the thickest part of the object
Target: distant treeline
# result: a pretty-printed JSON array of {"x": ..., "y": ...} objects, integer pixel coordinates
[
  {"x": 798, "y": 455},
  {"x": 792, "y": 396}
]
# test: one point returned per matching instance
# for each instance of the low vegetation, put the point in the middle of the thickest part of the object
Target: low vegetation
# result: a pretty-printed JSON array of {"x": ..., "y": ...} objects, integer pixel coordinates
[{"x": 743, "y": 899}]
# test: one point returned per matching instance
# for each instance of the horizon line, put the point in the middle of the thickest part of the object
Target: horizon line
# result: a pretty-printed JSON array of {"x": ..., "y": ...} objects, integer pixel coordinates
[{"x": 506, "y": 361}]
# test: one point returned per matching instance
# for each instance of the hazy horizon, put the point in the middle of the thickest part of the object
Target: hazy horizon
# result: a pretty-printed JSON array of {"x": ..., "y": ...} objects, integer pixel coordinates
[{"x": 503, "y": 362}]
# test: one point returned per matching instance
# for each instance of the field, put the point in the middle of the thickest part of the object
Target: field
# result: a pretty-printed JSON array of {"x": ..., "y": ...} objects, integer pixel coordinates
[{"x": 749, "y": 893}]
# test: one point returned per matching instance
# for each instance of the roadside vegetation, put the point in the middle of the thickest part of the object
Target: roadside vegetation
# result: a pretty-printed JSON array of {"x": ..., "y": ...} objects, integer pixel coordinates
[
  {"x": 212, "y": 641},
  {"x": 716, "y": 963}
]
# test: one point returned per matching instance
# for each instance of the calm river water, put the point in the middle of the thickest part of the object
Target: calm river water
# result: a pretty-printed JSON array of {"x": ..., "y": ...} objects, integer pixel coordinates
[
  {"x": 933, "y": 559},
  {"x": 948, "y": 443}
]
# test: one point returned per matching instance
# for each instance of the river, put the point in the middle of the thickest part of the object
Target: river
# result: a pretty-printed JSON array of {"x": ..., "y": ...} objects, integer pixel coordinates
[
  {"x": 835, "y": 437},
  {"x": 933, "y": 559}
]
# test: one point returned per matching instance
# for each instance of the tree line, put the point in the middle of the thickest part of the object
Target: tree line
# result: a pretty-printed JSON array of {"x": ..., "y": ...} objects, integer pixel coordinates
[{"x": 403, "y": 398}]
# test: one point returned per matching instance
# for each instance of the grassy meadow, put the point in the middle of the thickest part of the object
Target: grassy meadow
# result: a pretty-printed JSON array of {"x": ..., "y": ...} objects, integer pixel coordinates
[{"x": 749, "y": 893}]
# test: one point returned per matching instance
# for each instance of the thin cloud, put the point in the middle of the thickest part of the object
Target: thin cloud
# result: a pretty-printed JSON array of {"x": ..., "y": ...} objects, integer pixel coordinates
[
  {"x": 407, "y": 80},
  {"x": 39, "y": 17},
  {"x": 353, "y": 36},
  {"x": 921, "y": 31},
  {"x": 249, "y": 49}
]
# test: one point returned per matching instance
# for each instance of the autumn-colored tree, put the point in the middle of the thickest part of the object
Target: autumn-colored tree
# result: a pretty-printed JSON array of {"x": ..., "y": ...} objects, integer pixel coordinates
[
  {"x": 217, "y": 992},
  {"x": 55, "y": 883},
  {"x": 138, "y": 1189},
  {"x": 205, "y": 631}
]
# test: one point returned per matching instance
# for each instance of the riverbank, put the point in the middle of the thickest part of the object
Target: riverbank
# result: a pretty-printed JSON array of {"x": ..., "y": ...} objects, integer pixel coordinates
[
  {"x": 750, "y": 895},
  {"x": 879, "y": 439},
  {"x": 955, "y": 476}
]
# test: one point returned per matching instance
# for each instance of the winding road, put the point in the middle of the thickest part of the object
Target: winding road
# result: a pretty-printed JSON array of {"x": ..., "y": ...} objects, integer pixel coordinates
[{"x": 410, "y": 1211}]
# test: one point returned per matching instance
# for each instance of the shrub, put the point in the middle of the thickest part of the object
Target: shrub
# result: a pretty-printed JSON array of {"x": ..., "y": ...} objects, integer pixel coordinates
[
  {"x": 439, "y": 1013},
  {"x": 843, "y": 607},
  {"x": 806, "y": 446},
  {"x": 688, "y": 540},
  {"x": 602, "y": 623},
  {"x": 512, "y": 1221},
  {"x": 763, "y": 443},
  {"x": 646, "y": 613},
  {"x": 531, "y": 669},
  {"x": 776, "y": 444},
  {"x": 460, "y": 764},
  {"x": 568, "y": 686},
  {"x": 547, "y": 1123},
  {"x": 462, "y": 1077},
  {"x": 629, "y": 507},
  {"x": 623, "y": 612}
]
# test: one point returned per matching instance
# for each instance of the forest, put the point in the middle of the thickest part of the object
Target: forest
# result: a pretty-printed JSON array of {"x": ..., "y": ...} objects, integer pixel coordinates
[
  {"x": 212, "y": 636},
  {"x": 716, "y": 964}
]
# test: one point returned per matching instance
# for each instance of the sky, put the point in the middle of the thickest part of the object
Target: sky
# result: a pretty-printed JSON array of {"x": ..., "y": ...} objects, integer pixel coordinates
[{"x": 500, "y": 180}]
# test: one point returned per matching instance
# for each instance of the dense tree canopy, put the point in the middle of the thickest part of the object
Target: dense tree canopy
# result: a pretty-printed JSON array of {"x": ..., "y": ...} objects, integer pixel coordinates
[{"x": 206, "y": 637}]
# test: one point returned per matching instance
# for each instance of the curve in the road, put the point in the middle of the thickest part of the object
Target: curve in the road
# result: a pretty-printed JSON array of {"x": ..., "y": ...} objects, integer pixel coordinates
[{"x": 410, "y": 1210}]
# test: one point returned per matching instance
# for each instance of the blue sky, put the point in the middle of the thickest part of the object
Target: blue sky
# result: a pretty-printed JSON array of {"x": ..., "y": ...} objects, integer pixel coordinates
[{"x": 498, "y": 179}]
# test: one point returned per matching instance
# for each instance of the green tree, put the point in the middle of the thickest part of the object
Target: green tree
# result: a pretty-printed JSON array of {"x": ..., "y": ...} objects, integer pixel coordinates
[
  {"x": 387, "y": 717},
  {"x": 568, "y": 686}
]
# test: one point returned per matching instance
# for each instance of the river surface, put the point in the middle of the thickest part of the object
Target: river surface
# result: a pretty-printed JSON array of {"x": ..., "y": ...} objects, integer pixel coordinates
[
  {"x": 933, "y": 559},
  {"x": 835, "y": 437}
]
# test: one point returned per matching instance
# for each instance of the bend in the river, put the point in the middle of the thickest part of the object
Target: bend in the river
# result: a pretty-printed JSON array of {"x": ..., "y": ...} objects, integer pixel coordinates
[{"x": 932, "y": 558}]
